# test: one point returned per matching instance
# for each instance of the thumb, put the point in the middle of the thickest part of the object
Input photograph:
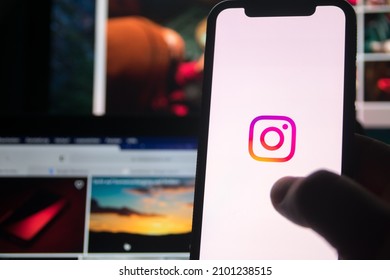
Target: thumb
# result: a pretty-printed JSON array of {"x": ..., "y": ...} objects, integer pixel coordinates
[{"x": 350, "y": 218}]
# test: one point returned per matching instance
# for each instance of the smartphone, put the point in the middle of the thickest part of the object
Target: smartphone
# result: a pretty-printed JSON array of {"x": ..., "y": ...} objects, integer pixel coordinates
[{"x": 278, "y": 100}]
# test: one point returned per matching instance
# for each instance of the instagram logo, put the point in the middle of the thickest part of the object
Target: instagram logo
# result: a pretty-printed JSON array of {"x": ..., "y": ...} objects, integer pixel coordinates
[{"x": 272, "y": 138}]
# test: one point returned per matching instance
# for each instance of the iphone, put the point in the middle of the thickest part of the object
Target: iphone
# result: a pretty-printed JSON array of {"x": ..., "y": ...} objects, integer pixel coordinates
[{"x": 278, "y": 100}]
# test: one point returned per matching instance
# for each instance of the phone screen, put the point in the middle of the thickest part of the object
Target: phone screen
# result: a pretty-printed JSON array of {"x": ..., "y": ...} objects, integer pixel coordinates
[{"x": 276, "y": 109}]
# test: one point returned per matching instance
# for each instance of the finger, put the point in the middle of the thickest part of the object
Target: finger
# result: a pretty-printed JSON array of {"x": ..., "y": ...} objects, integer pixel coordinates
[
  {"x": 372, "y": 165},
  {"x": 373, "y": 150},
  {"x": 351, "y": 219}
]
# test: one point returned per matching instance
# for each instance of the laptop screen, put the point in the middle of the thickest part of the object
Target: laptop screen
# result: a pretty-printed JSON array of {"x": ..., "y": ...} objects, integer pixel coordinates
[{"x": 96, "y": 188}]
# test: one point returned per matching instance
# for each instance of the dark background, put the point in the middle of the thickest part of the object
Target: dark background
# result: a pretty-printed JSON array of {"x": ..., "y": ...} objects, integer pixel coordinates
[{"x": 24, "y": 56}]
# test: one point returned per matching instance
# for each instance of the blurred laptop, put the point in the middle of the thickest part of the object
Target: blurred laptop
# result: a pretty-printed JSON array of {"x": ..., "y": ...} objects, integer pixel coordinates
[{"x": 86, "y": 187}]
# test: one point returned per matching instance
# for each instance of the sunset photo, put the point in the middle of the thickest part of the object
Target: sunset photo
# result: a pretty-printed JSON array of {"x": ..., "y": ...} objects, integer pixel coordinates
[{"x": 130, "y": 210}]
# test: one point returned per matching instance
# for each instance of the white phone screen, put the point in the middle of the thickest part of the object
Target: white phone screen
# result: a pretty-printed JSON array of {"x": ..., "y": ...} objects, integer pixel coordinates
[{"x": 276, "y": 110}]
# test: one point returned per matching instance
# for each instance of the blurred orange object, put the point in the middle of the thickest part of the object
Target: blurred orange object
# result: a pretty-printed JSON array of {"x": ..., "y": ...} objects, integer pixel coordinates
[{"x": 138, "y": 64}]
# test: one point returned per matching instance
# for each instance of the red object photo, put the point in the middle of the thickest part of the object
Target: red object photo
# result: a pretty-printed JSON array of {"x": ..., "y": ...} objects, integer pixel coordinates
[{"x": 32, "y": 217}]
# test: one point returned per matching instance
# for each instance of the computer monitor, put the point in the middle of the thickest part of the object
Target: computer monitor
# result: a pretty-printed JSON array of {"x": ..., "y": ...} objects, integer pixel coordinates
[
  {"x": 133, "y": 57},
  {"x": 93, "y": 187}
]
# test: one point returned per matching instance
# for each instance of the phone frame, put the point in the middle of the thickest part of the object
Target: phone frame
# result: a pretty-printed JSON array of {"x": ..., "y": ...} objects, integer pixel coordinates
[{"x": 270, "y": 9}]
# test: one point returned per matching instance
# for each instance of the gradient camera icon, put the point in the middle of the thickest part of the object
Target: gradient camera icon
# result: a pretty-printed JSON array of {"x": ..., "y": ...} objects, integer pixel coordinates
[{"x": 272, "y": 138}]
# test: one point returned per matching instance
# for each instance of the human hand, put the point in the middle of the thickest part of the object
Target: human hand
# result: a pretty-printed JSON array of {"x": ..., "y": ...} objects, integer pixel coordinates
[{"x": 352, "y": 214}]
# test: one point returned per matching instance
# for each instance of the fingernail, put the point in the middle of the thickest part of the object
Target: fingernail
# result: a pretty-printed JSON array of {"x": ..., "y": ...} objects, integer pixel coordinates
[
  {"x": 284, "y": 200},
  {"x": 280, "y": 189}
]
